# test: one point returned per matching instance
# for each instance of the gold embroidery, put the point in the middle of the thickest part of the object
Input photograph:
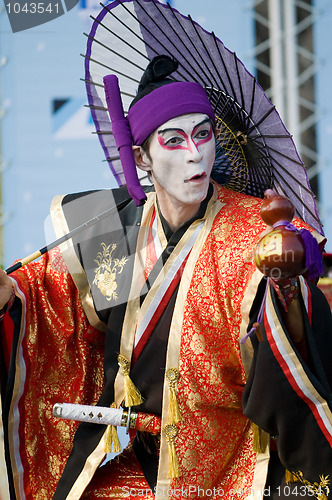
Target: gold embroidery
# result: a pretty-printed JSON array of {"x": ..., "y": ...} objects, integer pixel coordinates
[
  {"x": 319, "y": 490},
  {"x": 107, "y": 270},
  {"x": 209, "y": 390},
  {"x": 75, "y": 374}
]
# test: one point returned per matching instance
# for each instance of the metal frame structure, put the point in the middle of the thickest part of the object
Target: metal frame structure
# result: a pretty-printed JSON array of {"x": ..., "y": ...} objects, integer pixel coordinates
[{"x": 286, "y": 67}]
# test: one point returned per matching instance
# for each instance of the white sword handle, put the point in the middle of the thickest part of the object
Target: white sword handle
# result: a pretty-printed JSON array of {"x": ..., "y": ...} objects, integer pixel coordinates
[{"x": 93, "y": 414}]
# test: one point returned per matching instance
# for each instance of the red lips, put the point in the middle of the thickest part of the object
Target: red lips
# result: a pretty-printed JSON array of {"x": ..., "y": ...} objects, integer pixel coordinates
[{"x": 197, "y": 177}]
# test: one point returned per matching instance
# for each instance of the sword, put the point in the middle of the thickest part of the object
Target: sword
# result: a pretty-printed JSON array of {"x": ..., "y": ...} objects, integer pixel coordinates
[{"x": 95, "y": 414}]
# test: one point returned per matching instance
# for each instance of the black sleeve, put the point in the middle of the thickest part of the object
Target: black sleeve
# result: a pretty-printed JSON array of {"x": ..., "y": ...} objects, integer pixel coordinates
[{"x": 293, "y": 402}]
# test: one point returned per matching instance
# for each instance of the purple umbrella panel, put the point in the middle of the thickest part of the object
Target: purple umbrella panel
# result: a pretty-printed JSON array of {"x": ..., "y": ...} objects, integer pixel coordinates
[{"x": 254, "y": 149}]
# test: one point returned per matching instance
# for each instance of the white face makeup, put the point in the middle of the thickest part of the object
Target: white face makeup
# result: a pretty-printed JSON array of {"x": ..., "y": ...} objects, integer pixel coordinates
[{"x": 182, "y": 153}]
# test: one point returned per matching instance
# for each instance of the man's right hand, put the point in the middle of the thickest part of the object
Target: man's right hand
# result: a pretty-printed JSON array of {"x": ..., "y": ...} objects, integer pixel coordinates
[{"x": 6, "y": 286}]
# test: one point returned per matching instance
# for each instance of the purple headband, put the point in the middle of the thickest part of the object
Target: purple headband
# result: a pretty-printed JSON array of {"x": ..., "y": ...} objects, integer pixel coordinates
[
  {"x": 165, "y": 103},
  {"x": 154, "y": 109}
]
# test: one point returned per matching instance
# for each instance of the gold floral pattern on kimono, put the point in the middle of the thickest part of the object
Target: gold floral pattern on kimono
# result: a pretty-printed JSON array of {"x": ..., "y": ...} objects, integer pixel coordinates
[{"x": 107, "y": 270}]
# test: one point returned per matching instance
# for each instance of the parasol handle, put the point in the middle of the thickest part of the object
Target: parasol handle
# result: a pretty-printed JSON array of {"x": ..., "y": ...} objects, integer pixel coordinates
[{"x": 64, "y": 238}]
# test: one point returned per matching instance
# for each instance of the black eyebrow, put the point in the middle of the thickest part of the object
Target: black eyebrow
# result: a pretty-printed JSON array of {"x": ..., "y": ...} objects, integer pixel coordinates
[
  {"x": 163, "y": 131},
  {"x": 202, "y": 123}
]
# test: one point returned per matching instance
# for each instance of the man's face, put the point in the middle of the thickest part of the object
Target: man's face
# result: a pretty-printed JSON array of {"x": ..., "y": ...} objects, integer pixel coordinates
[{"x": 182, "y": 153}]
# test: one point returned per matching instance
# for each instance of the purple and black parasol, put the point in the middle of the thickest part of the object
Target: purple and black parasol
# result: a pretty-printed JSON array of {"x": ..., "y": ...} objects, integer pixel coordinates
[{"x": 255, "y": 151}]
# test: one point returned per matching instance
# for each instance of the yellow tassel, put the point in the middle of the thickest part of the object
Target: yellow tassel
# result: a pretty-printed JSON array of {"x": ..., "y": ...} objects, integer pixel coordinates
[
  {"x": 290, "y": 477},
  {"x": 132, "y": 394},
  {"x": 173, "y": 464},
  {"x": 112, "y": 438},
  {"x": 171, "y": 432},
  {"x": 172, "y": 375},
  {"x": 261, "y": 439}
]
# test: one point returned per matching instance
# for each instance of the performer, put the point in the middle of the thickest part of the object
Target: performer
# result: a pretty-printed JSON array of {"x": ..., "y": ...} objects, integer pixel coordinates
[
  {"x": 189, "y": 278},
  {"x": 146, "y": 310}
]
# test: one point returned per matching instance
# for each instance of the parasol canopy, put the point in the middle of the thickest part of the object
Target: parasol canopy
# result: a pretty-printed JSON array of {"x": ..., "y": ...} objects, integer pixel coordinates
[{"x": 254, "y": 150}]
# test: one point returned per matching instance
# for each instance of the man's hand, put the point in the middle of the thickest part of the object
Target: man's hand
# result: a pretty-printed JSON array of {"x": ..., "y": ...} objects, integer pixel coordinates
[{"x": 6, "y": 286}]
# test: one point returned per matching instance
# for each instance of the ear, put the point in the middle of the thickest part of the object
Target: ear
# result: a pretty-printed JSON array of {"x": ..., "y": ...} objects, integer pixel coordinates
[{"x": 142, "y": 159}]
